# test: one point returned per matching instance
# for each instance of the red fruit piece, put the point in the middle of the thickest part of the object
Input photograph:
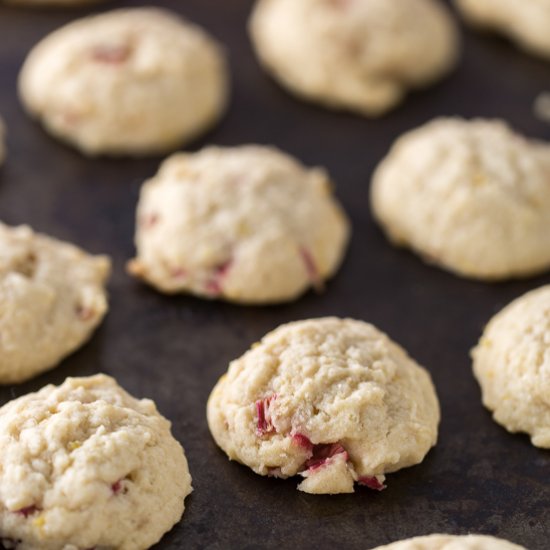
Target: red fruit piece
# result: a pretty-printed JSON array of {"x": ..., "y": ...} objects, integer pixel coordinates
[
  {"x": 263, "y": 413},
  {"x": 311, "y": 268},
  {"x": 371, "y": 482},
  {"x": 324, "y": 452},
  {"x": 84, "y": 313},
  {"x": 214, "y": 285},
  {"x": 28, "y": 511},
  {"x": 149, "y": 220},
  {"x": 116, "y": 487},
  {"x": 111, "y": 54},
  {"x": 302, "y": 441}
]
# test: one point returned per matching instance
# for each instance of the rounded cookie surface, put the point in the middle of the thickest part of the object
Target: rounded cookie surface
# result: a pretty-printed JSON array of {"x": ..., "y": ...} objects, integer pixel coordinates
[
  {"x": 512, "y": 365},
  {"x": 524, "y": 21},
  {"x": 334, "y": 400},
  {"x": 452, "y": 542},
  {"x": 470, "y": 196},
  {"x": 360, "y": 55},
  {"x": 52, "y": 297},
  {"x": 129, "y": 81},
  {"x": 241, "y": 224},
  {"x": 85, "y": 465}
]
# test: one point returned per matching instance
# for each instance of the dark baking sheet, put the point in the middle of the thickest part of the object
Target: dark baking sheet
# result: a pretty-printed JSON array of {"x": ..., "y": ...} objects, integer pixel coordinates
[{"x": 479, "y": 478}]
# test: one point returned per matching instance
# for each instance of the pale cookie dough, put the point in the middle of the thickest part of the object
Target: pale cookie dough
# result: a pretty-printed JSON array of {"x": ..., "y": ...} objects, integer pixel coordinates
[
  {"x": 359, "y": 55},
  {"x": 333, "y": 400},
  {"x": 246, "y": 224},
  {"x": 85, "y": 465},
  {"x": 512, "y": 365},
  {"x": 452, "y": 542},
  {"x": 52, "y": 297},
  {"x": 470, "y": 196},
  {"x": 527, "y": 22},
  {"x": 130, "y": 81}
]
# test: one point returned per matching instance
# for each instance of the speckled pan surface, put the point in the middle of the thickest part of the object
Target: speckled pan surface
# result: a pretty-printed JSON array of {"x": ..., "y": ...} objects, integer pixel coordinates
[{"x": 478, "y": 478}]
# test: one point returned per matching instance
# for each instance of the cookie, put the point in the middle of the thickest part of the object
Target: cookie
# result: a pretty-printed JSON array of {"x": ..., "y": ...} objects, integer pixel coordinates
[
  {"x": 130, "y": 81},
  {"x": 245, "y": 224},
  {"x": 526, "y": 22},
  {"x": 333, "y": 400},
  {"x": 52, "y": 297},
  {"x": 85, "y": 465},
  {"x": 511, "y": 363},
  {"x": 358, "y": 55},
  {"x": 452, "y": 542},
  {"x": 470, "y": 196}
]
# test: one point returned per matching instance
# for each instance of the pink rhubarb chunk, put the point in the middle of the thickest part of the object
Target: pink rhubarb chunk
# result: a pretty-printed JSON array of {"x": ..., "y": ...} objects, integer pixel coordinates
[
  {"x": 263, "y": 413},
  {"x": 371, "y": 482},
  {"x": 214, "y": 285},
  {"x": 311, "y": 268},
  {"x": 323, "y": 452},
  {"x": 302, "y": 441},
  {"x": 28, "y": 511},
  {"x": 109, "y": 54}
]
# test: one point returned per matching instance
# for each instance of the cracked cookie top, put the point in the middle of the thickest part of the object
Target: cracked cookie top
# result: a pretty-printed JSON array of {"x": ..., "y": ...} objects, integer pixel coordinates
[
  {"x": 85, "y": 465},
  {"x": 52, "y": 297},
  {"x": 246, "y": 224},
  {"x": 334, "y": 400},
  {"x": 469, "y": 195},
  {"x": 512, "y": 365}
]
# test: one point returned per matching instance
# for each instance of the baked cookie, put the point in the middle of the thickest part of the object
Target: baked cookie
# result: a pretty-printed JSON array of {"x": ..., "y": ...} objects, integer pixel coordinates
[
  {"x": 470, "y": 196},
  {"x": 511, "y": 363},
  {"x": 333, "y": 400},
  {"x": 246, "y": 224},
  {"x": 85, "y": 465},
  {"x": 130, "y": 81},
  {"x": 52, "y": 297},
  {"x": 359, "y": 55},
  {"x": 527, "y": 22},
  {"x": 452, "y": 542}
]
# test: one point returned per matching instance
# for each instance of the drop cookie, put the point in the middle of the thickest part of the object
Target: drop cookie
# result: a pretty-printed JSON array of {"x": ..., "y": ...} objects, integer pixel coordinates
[
  {"x": 52, "y": 297},
  {"x": 358, "y": 55},
  {"x": 471, "y": 196},
  {"x": 85, "y": 465},
  {"x": 452, "y": 542},
  {"x": 130, "y": 81},
  {"x": 245, "y": 224},
  {"x": 512, "y": 362},
  {"x": 526, "y": 22},
  {"x": 333, "y": 400}
]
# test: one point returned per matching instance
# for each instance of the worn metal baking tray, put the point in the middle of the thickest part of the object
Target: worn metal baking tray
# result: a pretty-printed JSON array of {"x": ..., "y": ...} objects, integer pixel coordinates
[{"x": 479, "y": 478}]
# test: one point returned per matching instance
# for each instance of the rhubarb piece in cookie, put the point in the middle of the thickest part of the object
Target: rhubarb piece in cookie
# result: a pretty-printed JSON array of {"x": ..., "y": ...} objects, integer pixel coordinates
[
  {"x": 52, "y": 297},
  {"x": 85, "y": 465},
  {"x": 470, "y": 196},
  {"x": 333, "y": 400},
  {"x": 512, "y": 366},
  {"x": 130, "y": 81},
  {"x": 452, "y": 542},
  {"x": 359, "y": 55},
  {"x": 527, "y": 22},
  {"x": 246, "y": 224}
]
